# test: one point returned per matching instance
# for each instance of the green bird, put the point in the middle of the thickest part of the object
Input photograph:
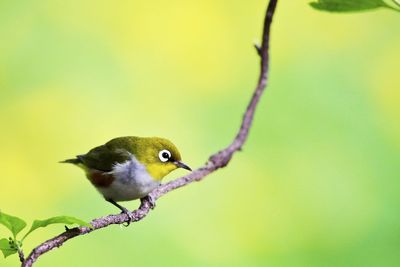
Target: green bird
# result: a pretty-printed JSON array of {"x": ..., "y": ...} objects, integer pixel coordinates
[{"x": 128, "y": 168}]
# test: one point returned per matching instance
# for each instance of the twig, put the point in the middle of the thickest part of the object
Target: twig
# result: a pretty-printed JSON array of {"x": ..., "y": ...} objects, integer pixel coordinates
[
  {"x": 215, "y": 162},
  {"x": 21, "y": 255}
]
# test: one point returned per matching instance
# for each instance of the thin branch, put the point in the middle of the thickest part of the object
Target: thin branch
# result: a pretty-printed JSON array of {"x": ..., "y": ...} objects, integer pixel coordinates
[
  {"x": 21, "y": 255},
  {"x": 258, "y": 49},
  {"x": 215, "y": 162}
]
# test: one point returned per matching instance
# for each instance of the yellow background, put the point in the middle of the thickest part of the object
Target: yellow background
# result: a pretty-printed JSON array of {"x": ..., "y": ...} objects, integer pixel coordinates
[{"x": 317, "y": 183}]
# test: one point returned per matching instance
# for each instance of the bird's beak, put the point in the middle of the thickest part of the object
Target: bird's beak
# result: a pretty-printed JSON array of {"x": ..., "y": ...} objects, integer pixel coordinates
[{"x": 182, "y": 165}]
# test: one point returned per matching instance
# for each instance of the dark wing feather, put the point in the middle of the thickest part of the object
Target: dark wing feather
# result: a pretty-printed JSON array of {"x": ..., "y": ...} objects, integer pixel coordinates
[{"x": 104, "y": 157}]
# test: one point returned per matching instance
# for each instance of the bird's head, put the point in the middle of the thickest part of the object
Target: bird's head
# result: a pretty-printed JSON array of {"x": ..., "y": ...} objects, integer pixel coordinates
[{"x": 160, "y": 156}]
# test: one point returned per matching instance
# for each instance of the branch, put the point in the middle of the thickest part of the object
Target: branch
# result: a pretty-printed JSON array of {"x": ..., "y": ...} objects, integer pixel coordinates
[
  {"x": 215, "y": 162},
  {"x": 21, "y": 255}
]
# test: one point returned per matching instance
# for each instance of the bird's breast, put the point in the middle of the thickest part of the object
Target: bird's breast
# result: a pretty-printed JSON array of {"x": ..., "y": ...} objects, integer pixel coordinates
[{"x": 127, "y": 181}]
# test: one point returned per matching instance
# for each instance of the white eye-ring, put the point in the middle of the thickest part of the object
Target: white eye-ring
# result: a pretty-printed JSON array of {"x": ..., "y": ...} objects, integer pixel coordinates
[{"x": 164, "y": 155}]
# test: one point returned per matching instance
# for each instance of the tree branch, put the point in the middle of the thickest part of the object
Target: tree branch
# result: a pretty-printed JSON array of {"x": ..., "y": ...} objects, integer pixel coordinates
[
  {"x": 21, "y": 255},
  {"x": 215, "y": 162}
]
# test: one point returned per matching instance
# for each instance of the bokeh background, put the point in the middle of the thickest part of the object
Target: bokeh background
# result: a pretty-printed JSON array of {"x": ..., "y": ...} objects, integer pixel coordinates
[{"x": 317, "y": 183}]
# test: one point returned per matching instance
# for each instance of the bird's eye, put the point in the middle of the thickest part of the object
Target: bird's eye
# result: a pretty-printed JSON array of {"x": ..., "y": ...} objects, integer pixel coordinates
[{"x": 164, "y": 155}]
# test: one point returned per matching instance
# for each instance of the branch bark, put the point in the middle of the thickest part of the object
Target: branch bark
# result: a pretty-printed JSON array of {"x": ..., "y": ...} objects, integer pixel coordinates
[
  {"x": 21, "y": 255},
  {"x": 215, "y": 161}
]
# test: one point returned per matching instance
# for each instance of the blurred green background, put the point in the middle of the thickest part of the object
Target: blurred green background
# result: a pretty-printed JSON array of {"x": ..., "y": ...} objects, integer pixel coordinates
[{"x": 317, "y": 183}]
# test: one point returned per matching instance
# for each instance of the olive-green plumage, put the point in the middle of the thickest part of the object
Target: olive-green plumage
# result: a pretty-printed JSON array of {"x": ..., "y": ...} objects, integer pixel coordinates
[
  {"x": 130, "y": 167},
  {"x": 145, "y": 149}
]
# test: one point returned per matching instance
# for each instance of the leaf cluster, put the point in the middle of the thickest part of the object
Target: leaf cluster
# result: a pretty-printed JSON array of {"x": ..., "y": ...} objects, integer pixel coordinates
[{"x": 15, "y": 224}]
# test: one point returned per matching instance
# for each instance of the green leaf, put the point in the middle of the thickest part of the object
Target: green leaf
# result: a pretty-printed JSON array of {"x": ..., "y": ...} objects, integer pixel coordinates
[
  {"x": 348, "y": 5},
  {"x": 14, "y": 224},
  {"x": 58, "y": 219},
  {"x": 7, "y": 248}
]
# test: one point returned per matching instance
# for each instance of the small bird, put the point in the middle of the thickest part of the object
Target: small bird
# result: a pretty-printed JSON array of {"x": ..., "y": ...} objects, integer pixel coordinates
[{"x": 130, "y": 167}]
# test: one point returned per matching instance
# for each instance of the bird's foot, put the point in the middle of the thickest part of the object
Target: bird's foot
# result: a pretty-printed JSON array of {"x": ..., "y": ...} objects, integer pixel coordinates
[
  {"x": 150, "y": 200},
  {"x": 124, "y": 211},
  {"x": 130, "y": 216}
]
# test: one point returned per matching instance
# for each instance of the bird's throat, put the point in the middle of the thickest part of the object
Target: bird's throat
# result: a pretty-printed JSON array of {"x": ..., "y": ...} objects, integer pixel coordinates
[{"x": 158, "y": 172}]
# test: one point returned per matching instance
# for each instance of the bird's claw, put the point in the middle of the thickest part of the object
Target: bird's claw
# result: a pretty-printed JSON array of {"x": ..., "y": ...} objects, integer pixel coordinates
[
  {"x": 150, "y": 200},
  {"x": 130, "y": 217},
  {"x": 124, "y": 211}
]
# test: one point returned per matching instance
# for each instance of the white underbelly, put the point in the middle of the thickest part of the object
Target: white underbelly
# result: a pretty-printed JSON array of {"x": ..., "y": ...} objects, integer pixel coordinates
[
  {"x": 132, "y": 181},
  {"x": 122, "y": 191}
]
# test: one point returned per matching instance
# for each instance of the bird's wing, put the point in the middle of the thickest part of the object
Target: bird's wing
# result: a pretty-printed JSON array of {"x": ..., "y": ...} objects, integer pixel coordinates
[{"x": 104, "y": 158}]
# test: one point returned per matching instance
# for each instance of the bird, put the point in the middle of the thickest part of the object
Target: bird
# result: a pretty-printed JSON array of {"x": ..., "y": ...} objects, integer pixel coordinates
[{"x": 130, "y": 167}]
